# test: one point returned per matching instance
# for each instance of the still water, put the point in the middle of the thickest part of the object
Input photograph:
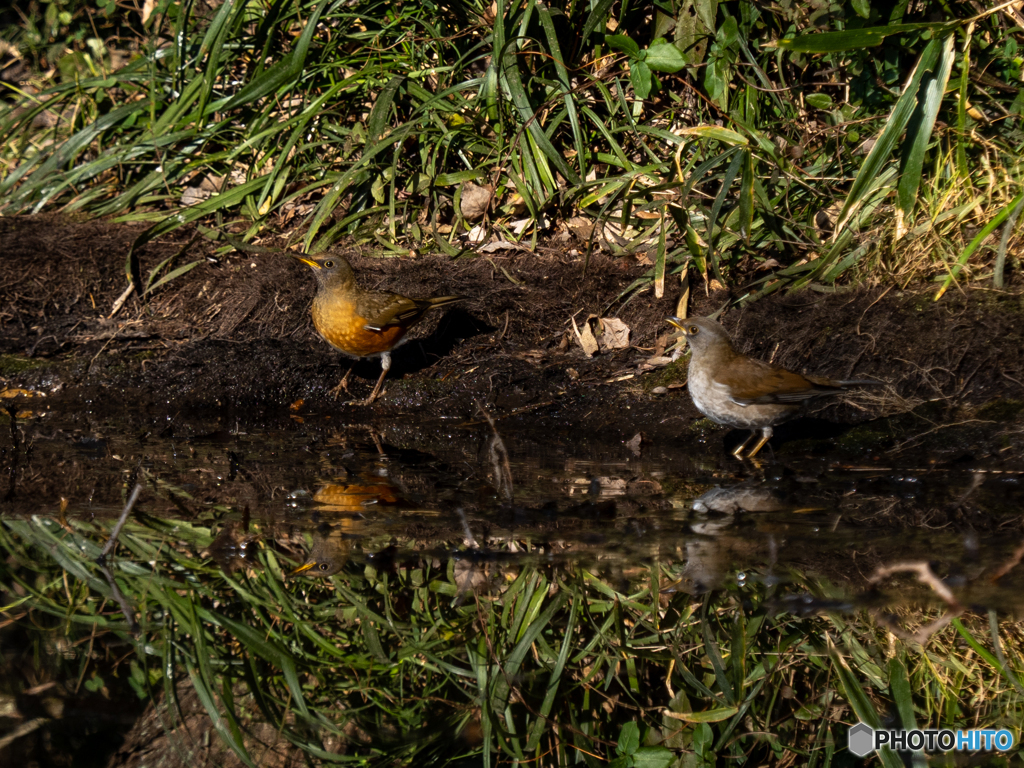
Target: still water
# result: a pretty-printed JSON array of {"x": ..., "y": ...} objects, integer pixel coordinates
[{"x": 308, "y": 592}]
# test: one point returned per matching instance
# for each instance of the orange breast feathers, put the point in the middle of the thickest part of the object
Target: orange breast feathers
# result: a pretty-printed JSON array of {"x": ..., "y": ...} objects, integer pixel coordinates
[{"x": 341, "y": 325}]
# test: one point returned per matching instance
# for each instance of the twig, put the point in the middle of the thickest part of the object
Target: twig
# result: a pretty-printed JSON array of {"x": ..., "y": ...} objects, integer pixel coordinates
[
  {"x": 470, "y": 540},
  {"x": 126, "y": 607},
  {"x": 924, "y": 574},
  {"x": 112, "y": 541},
  {"x": 869, "y": 308},
  {"x": 498, "y": 455},
  {"x": 22, "y": 730},
  {"x": 1013, "y": 562},
  {"x": 923, "y": 634}
]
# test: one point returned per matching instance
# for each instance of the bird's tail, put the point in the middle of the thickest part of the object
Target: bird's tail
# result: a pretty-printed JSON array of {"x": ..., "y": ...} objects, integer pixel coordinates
[{"x": 440, "y": 301}]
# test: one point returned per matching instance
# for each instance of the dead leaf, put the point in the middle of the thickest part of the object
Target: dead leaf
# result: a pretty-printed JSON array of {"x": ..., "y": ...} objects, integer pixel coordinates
[
  {"x": 516, "y": 204},
  {"x": 581, "y": 226},
  {"x": 194, "y": 195},
  {"x": 653, "y": 363},
  {"x": 477, "y": 234},
  {"x": 684, "y": 298},
  {"x": 502, "y": 245},
  {"x": 601, "y": 334},
  {"x": 14, "y": 392},
  {"x": 586, "y": 339},
  {"x": 476, "y": 200},
  {"x": 611, "y": 486},
  {"x": 614, "y": 334},
  {"x": 469, "y": 576}
]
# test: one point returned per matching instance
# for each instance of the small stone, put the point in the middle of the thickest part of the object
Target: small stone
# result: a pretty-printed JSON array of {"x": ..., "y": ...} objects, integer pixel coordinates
[{"x": 659, "y": 391}]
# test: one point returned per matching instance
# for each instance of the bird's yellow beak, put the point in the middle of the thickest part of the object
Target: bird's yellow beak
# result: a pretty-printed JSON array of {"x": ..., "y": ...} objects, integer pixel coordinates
[
  {"x": 307, "y": 262},
  {"x": 302, "y": 569},
  {"x": 677, "y": 322},
  {"x": 679, "y": 340}
]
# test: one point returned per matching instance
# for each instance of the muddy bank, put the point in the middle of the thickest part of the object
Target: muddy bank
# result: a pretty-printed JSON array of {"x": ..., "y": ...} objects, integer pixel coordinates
[{"x": 232, "y": 338}]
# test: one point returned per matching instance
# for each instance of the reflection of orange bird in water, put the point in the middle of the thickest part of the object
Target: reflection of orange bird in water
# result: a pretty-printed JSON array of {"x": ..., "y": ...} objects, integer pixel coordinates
[
  {"x": 355, "y": 498},
  {"x": 340, "y": 504},
  {"x": 359, "y": 322}
]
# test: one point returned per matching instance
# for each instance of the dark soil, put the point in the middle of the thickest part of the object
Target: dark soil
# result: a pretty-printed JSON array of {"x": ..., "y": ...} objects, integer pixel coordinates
[
  {"x": 231, "y": 343},
  {"x": 233, "y": 337}
]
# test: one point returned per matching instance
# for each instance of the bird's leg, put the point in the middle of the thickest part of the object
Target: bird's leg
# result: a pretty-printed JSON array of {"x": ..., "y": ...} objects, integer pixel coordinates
[
  {"x": 766, "y": 435},
  {"x": 342, "y": 385},
  {"x": 385, "y": 364},
  {"x": 738, "y": 452}
]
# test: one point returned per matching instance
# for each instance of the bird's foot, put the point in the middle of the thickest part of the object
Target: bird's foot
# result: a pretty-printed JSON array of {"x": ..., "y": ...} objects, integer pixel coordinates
[
  {"x": 369, "y": 400},
  {"x": 342, "y": 387}
]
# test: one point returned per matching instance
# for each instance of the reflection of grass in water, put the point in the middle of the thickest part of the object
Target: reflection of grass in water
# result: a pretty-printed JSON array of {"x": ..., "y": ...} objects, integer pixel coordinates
[{"x": 542, "y": 665}]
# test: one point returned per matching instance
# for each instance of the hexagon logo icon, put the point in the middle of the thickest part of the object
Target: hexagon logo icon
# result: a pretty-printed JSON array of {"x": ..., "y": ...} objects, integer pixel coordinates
[{"x": 861, "y": 739}]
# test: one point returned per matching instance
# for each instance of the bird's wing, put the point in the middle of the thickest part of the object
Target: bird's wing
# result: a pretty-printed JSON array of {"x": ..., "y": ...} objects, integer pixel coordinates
[
  {"x": 752, "y": 382},
  {"x": 400, "y": 310}
]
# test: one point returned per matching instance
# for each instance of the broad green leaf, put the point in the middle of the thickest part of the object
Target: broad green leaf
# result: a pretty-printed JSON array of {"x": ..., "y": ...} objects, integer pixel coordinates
[
  {"x": 629, "y": 739},
  {"x": 640, "y": 77},
  {"x": 819, "y": 100},
  {"x": 729, "y": 32},
  {"x": 653, "y": 757},
  {"x": 623, "y": 43},
  {"x": 664, "y": 57},
  {"x": 693, "y": 20},
  {"x": 716, "y": 81}
]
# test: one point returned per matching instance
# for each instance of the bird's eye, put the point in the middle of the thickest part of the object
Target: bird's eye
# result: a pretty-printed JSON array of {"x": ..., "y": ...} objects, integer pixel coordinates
[
  {"x": 328, "y": 264},
  {"x": 694, "y": 330},
  {"x": 323, "y": 566}
]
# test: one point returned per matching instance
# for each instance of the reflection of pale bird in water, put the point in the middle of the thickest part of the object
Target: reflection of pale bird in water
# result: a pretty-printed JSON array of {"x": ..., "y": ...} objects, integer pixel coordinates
[
  {"x": 328, "y": 555},
  {"x": 740, "y": 498}
]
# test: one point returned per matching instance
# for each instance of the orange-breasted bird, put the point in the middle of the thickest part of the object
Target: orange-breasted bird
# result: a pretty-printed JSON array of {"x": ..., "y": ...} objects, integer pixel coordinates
[{"x": 362, "y": 323}]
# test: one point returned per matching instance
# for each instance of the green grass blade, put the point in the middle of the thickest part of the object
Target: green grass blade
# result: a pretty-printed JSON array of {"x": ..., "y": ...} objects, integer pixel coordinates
[
  {"x": 987, "y": 230},
  {"x": 890, "y": 135},
  {"x": 919, "y": 131}
]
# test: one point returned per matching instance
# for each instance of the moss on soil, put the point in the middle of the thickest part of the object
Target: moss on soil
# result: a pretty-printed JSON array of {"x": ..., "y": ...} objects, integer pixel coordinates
[
  {"x": 1000, "y": 410},
  {"x": 12, "y": 365}
]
